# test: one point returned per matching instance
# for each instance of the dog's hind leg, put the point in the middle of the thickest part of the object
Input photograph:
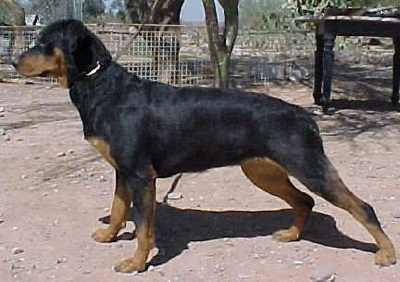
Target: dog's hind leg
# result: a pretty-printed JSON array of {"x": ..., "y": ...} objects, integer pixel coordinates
[
  {"x": 119, "y": 213},
  {"x": 325, "y": 181},
  {"x": 272, "y": 178},
  {"x": 338, "y": 194}
]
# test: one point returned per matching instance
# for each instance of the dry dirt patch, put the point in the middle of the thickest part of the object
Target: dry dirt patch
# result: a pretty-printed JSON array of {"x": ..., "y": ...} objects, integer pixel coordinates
[{"x": 55, "y": 188}]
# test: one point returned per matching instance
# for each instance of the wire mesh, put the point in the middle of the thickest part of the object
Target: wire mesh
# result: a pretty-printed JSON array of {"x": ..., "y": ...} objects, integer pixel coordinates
[{"x": 179, "y": 55}]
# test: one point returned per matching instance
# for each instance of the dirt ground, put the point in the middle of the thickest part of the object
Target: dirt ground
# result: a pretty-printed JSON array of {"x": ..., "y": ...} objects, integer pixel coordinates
[{"x": 55, "y": 191}]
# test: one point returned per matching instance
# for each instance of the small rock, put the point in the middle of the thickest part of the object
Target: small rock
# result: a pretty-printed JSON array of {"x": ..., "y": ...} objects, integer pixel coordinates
[
  {"x": 1, "y": 220},
  {"x": 16, "y": 251},
  {"x": 175, "y": 196},
  {"x": 317, "y": 112},
  {"x": 322, "y": 274},
  {"x": 61, "y": 260},
  {"x": 2, "y": 131},
  {"x": 390, "y": 198},
  {"x": 2, "y": 110},
  {"x": 61, "y": 154}
]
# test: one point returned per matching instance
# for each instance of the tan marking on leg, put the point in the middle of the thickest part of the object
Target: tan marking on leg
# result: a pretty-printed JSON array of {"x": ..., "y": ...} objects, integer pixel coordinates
[
  {"x": 272, "y": 178},
  {"x": 119, "y": 213},
  {"x": 363, "y": 213},
  {"x": 121, "y": 201},
  {"x": 144, "y": 233}
]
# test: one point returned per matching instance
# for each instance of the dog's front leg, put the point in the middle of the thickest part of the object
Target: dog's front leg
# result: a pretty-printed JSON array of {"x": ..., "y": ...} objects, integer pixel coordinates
[
  {"x": 143, "y": 198},
  {"x": 119, "y": 212}
]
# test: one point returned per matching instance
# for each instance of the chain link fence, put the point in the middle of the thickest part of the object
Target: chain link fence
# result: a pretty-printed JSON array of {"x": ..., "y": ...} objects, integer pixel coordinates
[{"x": 178, "y": 55}]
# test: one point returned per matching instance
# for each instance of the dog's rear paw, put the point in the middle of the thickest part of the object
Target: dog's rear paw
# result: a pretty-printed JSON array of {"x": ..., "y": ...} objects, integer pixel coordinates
[
  {"x": 287, "y": 235},
  {"x": 129, "y": 265},
  {"x": 385, "y": 258},
  {"x": 103, "y": 235}
]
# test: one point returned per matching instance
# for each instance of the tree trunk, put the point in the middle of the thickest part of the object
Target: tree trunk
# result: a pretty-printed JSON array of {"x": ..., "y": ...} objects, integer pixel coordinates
[
  {"x": 11, "y": 13},
  {"x": 221, "y": 45},
  {"x": 163, "y": 12},
  {"x": 137, "y": 10},
  {"x": 166, "y": 12},
  {"x": 165, "y": 49}
]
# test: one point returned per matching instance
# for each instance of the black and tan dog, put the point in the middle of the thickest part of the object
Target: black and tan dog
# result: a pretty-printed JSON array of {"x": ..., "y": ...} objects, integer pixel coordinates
[{"x": 147, "y": 130}]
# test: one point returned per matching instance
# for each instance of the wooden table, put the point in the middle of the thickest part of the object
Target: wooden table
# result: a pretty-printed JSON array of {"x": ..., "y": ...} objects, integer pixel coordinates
[{"x": 328, "y": 27}]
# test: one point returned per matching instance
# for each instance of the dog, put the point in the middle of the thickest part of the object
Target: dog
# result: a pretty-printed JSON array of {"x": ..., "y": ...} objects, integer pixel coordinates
[{"x": 148, "y": 130}]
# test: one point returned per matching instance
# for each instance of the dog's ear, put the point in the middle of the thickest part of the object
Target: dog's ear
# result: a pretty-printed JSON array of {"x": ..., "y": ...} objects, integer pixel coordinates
[{"x": 85, "y": 48}]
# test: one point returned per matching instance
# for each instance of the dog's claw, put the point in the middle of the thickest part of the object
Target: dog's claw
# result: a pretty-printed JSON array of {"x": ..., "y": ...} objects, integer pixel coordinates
[
  {"x": 103, "y": 235},
  {"x": 287, "y": 235},
  {"x": 385, "y": 258}
]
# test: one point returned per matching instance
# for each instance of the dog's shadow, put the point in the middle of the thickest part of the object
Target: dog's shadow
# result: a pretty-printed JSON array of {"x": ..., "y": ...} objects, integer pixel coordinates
[{"x": 176, "y": 228}]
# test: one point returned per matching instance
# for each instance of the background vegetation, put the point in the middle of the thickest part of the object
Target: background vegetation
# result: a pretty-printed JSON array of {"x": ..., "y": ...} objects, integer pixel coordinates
[{"x": 254, "y": 14}]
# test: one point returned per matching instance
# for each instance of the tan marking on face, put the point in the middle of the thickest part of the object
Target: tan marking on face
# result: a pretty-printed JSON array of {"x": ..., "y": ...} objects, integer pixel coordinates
[
  {"x": 60, "y": 70},
  {"x": 32, "y": 64}
]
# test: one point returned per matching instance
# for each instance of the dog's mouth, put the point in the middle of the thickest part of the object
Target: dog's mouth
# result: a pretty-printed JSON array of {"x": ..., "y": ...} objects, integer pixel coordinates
[{"x": 45, "y": 74}]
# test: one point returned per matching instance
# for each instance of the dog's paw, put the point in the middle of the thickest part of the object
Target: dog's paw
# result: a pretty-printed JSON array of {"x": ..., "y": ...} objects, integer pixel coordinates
[
  {"x": 385, "y": 258},
  {"x": 287, "y": 235},
  {"x": 103, "y": 235},
  {"x": 130, "y": 265}
]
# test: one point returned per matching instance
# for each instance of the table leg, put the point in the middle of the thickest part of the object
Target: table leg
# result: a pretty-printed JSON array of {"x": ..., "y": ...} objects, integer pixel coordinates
[
  {"x": 396, "y": 71},
  {"x": 328, "y": 54},
  {"x": 318, "y": 63}
]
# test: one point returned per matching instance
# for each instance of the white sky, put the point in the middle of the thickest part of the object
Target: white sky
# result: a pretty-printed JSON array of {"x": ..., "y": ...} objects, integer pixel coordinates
[{"x": 193, "y": 10}]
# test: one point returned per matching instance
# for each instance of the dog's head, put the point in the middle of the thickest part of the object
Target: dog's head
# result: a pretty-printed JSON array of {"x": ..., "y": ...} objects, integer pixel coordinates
[{"x": 65, "y": 49}]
